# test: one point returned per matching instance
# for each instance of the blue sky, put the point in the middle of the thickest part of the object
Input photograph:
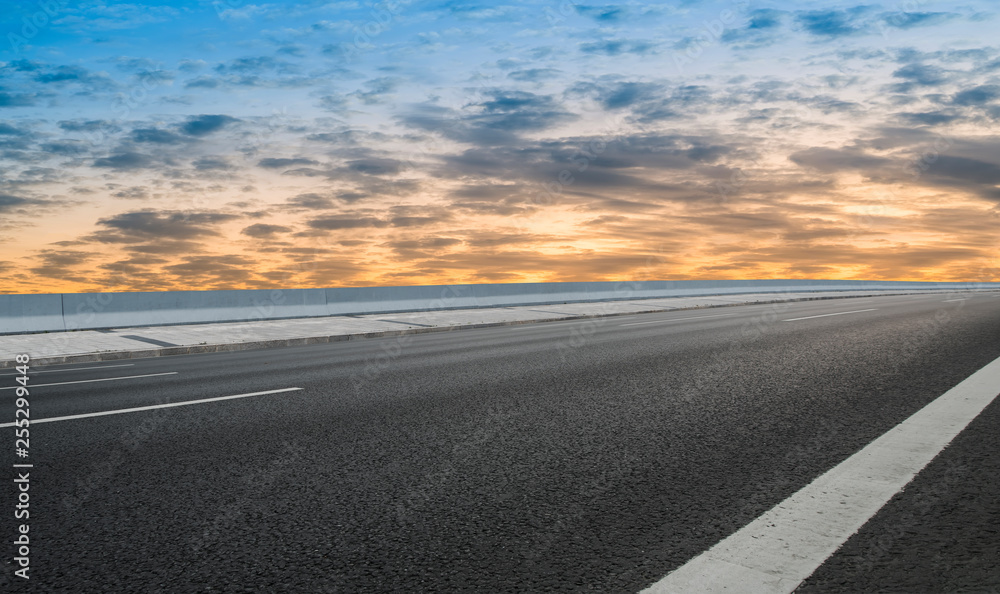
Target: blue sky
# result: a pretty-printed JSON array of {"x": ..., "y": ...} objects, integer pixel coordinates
[{"x": 176, "y": 145}]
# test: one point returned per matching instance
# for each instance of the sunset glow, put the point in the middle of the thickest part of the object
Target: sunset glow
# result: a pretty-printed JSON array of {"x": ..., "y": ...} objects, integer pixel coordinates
[{"x": 229, "y": 145}]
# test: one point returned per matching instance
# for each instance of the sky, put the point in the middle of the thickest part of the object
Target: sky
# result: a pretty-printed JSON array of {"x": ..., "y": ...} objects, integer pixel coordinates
[{"x": 223, "y": 144}]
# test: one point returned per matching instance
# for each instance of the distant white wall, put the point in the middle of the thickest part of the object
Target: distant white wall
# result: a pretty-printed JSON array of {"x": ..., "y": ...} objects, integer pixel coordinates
[{"x": 79, "y": 311}]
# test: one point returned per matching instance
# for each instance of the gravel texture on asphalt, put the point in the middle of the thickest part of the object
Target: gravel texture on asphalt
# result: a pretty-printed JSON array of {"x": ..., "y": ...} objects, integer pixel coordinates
[{"x": 569, "y": 456}]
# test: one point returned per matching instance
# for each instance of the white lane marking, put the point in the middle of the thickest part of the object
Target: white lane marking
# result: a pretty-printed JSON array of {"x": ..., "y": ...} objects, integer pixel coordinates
[
  {"x": 950, "y": 300},
  {"x": 35, "y": 371},
  {"x": 839, "y": 313},
  {"x": 675, "y": 320},
  {"x": 103, "y": 379},
  {"x": 784, "y": 546},
  {"x": 153, "y": 407}
]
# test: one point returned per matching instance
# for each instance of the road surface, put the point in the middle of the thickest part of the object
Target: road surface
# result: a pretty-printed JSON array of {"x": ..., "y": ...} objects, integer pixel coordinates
[{"x": 593, "y": 455}]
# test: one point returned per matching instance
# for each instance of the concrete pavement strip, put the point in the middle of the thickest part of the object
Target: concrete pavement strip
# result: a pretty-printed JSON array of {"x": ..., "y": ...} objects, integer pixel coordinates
[{"x": 117, "y": 344}]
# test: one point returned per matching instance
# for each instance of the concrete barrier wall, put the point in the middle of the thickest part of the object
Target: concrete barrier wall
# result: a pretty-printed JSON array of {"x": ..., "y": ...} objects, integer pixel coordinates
[
  {"x": 30, "y": 313},
  {"x": 79, "y": 311},
  {"x": 109, "y": 310},
  {"x": 395, "y": 299}
]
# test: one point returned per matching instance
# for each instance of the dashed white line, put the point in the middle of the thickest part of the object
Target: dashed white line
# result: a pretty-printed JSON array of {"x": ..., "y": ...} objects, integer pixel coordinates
[
  {"x": 780, "y": 549},
  {"x": 103, "y": 379},
  {"x": 153, "y": 407},
  {"x": 675, "y": 320},
  {"x": 950, "y": 300},
  {"x": 36, "y": 371},
  {"x": 839, "y": 313}
]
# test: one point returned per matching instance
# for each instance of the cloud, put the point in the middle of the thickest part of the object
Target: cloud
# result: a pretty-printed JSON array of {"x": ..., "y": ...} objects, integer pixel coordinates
[
  {"x": 156, "y": 136},
  {"x": 429, "y": 166},
  {"x": 500, "y": 119},
  {"x": 603, "y": 14},
  {"x": 350, "y": 197},
  {"x": 929, "y": 118},
  {"x": 279, "y": 163},
  {"x": 335, "y": 103},
  {"x": 155, "y": 77},
  {"x": 9, "y": 202},
  {"x": 148, "y": 225},
  {"x": 977, "y": 95},
  {"x": 902, "y": 19},
  {"x": 211, "y": 164},
  {"x": 135, "y": 64},
  {"x": 339, "y": 222},
  {"x": 626, "y": 94},
  {"x": 25, "y": 65},
  {"x": 88, "y": 125},
  {"x": 831, "y": 23},
  {"x": 63, "y": 74},
  {"x": 533, "y": 74},
  {"x": 292, "y": 49},
  {"x": 418, "y": 216},
  {"x": 764, "y": 26},
  {"x": 252, "y": 72},
  {"x": 764, "y": 19},
  {"x": 340, "y": 51},
  {"x": 617, "y": 47},
  {"x": 16, "y": 99},
  {"x": 243, "y": 12},
  {"x": 649, "y": 102},
  {"x": 191, "y": 65},
  {"x": 921, "y": 75},
  {"x": 983, "y": 176},
  {"x": 133, "y": 193},
  {"x": 263, "y": 230},
  {"x": 126, "y": 161},
  {"x": 411, "y": 250},
  {"x": 100, "y": 16},
  {"x": 202, "y": 82},
  {"x": 378, "y": 88},
  {"x": 59, "y": 264},
  {"x": 836, "y": 160},
  {"x": 374, "y": 166},
  {"x": 206, "y": 124},
  {"x": 255, "y": 65},
  {"x": 8, "y": 130},
  {"x": 69, "y": 148},
  {"x": 214, "y": 271},
  {"x": 312, "y": 201}
]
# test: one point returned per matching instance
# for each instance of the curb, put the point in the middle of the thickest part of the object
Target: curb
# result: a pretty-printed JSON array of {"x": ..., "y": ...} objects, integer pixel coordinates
[{"x": 302, "y": 341}]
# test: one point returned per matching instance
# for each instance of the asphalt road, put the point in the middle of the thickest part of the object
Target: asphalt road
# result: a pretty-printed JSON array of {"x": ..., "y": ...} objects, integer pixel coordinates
[{"x": 593, "y": 455}]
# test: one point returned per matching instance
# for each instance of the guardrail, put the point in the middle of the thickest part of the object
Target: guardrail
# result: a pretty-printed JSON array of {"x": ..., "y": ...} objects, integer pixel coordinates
[{"x": 94, "y": 311}]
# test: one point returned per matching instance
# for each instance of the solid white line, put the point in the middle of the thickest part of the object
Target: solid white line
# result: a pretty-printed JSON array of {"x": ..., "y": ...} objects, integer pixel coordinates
[
  {"x": 34, "y": 371},
  {"x": 950, "y": 300},
  {"x": 153, "y": 407},
  {"x": 103, "y": 379},
  {"x": 675, "y": 320},
  {"x": 839, "y": 313},
  {"x": 783, "y": 547}
]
